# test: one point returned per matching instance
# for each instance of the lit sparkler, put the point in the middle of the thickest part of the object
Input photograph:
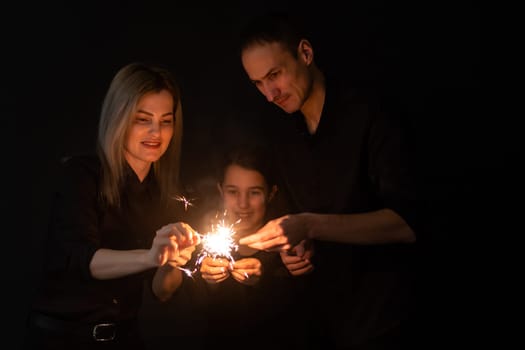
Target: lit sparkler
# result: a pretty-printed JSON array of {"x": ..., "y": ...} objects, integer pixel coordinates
[
  {"x": 218, "y": 242},
  {"x": 187, "y": 202}
]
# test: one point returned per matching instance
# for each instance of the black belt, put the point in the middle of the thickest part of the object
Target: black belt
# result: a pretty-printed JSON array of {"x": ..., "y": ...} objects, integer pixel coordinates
[{"x": 98, "y": 332}]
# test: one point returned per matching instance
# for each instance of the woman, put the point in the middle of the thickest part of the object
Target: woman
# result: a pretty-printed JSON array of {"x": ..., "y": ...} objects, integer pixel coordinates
[{"x": 115, "y": 221}]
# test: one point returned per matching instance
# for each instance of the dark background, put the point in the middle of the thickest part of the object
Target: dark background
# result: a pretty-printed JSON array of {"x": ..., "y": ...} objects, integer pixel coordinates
[{"x": 424, "y": 58}]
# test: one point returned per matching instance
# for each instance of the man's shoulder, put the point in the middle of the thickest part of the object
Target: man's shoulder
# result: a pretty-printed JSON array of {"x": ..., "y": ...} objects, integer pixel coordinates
[{"x": 341, "y": 92}]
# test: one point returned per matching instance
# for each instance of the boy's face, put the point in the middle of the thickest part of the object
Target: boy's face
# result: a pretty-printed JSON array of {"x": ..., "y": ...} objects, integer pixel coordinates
[{"x": 245, "y": 194}]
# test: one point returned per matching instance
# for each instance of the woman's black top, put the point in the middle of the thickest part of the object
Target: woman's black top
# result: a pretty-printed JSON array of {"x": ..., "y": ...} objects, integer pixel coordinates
[{"x": 80, "y": 224}]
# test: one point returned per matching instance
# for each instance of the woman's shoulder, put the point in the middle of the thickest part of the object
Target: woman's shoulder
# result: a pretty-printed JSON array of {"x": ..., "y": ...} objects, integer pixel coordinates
[
  {"x": 80, "y": 167},
  {"x": 81, "y": 161}
]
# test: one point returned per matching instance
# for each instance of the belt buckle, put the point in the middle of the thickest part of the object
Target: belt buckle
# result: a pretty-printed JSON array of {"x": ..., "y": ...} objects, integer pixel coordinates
[{"x": 104, "y": 332}]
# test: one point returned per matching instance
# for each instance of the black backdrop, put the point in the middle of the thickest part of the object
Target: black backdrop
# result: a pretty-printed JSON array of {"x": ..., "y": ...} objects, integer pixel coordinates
[{"x": 425, "y": 58}]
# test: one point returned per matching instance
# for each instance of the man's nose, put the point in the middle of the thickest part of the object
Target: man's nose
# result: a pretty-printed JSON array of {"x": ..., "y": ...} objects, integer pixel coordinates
[{"x": 271, "y": 92}]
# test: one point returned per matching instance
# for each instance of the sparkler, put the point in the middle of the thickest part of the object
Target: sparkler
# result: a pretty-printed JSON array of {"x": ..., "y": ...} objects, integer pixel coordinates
[
  {"x": 187, "y": 202},
  {"x": 218, "y": 242}
]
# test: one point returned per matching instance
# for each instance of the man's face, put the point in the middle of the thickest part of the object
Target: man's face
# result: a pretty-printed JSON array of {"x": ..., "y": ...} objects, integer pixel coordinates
[{"x": 282, "y": 78}]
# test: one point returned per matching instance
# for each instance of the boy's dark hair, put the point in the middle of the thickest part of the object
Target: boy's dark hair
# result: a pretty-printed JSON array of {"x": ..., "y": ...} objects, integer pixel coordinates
[{"x": 249, "y": 156}]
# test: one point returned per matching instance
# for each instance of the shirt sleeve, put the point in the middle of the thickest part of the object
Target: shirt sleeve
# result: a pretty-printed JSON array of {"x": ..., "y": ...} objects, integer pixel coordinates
[
  {"x": 74, "y": 236},
  {"x": 392, "y": 168}
]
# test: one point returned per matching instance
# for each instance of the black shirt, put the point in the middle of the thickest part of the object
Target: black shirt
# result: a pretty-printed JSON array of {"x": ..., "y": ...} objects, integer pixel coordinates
[
  {"x": 80, "y": 225},
  {"x": 356, "y": 161},
  {"x": 237, "y": 313}
]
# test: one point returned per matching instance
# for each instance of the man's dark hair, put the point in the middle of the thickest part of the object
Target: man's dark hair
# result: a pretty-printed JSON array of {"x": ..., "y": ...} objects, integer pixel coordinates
[{"x": 273, "y": 27}]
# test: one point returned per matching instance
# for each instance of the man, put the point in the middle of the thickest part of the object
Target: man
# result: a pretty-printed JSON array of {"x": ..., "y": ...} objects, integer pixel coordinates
[{"x": 346, "y": 177}]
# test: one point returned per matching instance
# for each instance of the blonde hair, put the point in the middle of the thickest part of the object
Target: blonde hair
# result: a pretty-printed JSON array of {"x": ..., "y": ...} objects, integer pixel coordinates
[{"x": 127, "y": 87}]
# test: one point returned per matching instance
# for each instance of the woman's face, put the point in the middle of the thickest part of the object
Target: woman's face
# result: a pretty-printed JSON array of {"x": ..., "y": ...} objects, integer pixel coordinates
[
  {"x": 150, "y": 132},
  {"x": 245, "y": 195}
]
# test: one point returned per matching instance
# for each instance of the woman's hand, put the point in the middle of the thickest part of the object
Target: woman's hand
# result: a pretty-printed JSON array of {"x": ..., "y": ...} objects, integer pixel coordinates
[
  {"x": 183, "y": 258},
  {"x": 173, "y": 243}
]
